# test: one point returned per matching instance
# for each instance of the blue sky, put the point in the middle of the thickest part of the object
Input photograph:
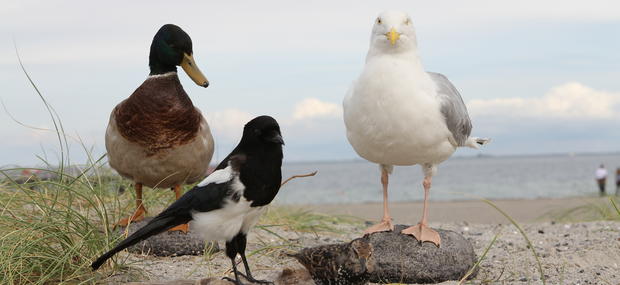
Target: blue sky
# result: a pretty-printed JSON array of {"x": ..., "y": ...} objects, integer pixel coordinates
[{"x": 537, "y": 77}]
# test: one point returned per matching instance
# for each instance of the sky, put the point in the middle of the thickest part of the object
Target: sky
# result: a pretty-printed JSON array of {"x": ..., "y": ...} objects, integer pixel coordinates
[{"x": 537, "y": 76}]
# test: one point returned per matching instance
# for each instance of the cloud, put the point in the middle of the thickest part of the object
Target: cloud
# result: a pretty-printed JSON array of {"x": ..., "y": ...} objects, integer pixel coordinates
[
  {"x": 568, "y": 101},
  {"x": 310, "y": 108},
  {"x": 228, "y": 124}
]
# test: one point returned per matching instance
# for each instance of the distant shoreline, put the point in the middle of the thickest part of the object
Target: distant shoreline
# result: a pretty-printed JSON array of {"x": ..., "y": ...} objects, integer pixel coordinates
[
  {"x": 358, "y": 160},
  {"x": 480, "y": 155}
]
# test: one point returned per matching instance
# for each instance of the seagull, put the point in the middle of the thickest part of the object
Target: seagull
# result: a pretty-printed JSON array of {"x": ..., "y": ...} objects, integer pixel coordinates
[
  {"x": 396, "y": 113},
  {"x": 229, "y": 202},
  {"x": 156, "y": 137}
]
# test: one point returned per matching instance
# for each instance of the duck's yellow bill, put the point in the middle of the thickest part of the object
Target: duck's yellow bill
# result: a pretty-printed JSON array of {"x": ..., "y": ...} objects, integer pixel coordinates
[
  {"x": 190, "y": 67},
  {"x": 393, "y": 35}
]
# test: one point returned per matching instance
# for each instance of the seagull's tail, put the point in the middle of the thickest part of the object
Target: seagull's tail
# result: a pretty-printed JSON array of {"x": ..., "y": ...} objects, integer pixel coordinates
[{"x": 475, "y": 142}]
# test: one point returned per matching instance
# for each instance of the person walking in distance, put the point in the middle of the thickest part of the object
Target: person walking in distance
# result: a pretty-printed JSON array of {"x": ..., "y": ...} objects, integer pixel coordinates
[
  {"x": 601, "y": 178},
  {"x": 618, "y": 181}
]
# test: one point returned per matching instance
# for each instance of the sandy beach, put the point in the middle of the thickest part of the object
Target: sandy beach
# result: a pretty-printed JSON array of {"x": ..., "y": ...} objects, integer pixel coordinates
[
  {"x": 470, "y": 211},
  {"x": 570, "y": 253}
]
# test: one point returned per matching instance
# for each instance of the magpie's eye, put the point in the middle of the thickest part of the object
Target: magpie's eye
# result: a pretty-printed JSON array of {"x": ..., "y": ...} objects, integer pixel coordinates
[{"x": 378, "y": 20}]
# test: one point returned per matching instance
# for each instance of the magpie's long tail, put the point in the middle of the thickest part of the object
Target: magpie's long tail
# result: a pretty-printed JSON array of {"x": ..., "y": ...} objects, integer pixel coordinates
[{"x": 155, "y": 226}]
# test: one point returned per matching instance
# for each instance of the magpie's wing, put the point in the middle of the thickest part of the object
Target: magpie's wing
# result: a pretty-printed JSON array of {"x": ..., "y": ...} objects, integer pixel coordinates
[{"x": 200, "y": 198}]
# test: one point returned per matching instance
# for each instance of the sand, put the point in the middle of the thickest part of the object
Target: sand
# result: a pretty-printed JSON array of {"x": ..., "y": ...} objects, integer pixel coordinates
[
  {"x": 471, "y": 211},
  {"x": 570, "y": 253}
]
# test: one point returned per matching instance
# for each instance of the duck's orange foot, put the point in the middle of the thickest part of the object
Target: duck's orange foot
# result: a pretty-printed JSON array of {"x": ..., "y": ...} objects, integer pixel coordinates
[
  {"x": 423, "y": 233},
  {"x": 384, "y": 226},
  {"x": 137, "y": 216},
  {"x": 182, "y": 228}
]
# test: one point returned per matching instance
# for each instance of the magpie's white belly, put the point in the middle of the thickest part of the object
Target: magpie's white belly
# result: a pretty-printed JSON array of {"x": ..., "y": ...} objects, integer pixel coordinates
[
  {"x": 227, "y": 222},
  {"x": 395, "y": 118}
]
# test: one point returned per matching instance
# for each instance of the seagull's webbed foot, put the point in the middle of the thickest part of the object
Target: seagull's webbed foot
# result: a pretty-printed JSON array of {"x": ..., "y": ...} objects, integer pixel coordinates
[
  {"x": 423, "y": 233},
  {"x": 384, "y": 226},
  {"x": 254, "y": 280},
  {"x": 184, "y": 228}
]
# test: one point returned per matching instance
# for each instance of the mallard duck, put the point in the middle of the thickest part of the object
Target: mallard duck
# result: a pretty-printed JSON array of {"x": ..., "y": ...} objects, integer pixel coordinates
[{"x": 156, "y": 137}]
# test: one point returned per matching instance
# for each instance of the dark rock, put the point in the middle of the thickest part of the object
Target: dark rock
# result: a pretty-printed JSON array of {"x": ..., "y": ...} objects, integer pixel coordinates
[
  {"x": 388, "y": 257},
  {"x": 170, "y": 243},
  {"x": 401, "y": 258}
]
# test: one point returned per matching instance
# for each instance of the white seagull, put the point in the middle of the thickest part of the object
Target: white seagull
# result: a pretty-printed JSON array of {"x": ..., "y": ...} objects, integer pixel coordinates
[{"x": 396, "y": 113}]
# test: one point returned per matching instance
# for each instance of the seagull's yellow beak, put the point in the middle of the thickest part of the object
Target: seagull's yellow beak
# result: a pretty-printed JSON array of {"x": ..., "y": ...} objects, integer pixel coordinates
[
  {"x": 393, "y": 36},
  {"x": 190, "y": 67}
]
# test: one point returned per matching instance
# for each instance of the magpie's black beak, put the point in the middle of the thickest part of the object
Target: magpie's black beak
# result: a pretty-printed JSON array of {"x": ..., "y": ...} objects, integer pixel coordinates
[{"x": 276, "y": 138}]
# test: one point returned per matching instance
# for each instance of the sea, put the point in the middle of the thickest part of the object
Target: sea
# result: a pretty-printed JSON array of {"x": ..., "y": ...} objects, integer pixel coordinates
[{"x": 458, "y": 178}]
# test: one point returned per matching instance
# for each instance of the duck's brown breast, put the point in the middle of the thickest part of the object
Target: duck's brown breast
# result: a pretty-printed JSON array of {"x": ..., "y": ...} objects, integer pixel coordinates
[{"x": 158, "y": 115}]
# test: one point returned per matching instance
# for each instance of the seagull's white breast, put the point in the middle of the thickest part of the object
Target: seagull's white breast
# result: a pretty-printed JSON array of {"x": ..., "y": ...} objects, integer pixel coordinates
[{"x": 393, "y": 116}]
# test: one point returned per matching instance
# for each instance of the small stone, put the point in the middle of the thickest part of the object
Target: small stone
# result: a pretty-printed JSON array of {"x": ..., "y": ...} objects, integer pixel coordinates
[{"x": 541, "y": 231}]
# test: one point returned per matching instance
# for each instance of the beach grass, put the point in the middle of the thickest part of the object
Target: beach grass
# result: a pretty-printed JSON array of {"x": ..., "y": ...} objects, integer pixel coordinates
[
  {"x": 52, "y": 229},
  {"x": 591, "y": 210},
  {"x": 301, "y": 220}
]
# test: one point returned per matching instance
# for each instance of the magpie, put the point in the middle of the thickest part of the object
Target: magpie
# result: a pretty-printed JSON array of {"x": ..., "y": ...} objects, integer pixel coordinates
[{"x": 229, "y": 202}]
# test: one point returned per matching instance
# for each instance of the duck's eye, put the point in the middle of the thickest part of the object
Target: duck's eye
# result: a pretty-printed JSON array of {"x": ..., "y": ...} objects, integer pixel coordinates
[{"x": 378, "y": 20}]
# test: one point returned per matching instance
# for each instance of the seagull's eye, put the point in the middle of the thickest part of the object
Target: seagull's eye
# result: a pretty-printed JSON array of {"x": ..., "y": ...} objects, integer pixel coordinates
[{"x": 378, "y": 20}]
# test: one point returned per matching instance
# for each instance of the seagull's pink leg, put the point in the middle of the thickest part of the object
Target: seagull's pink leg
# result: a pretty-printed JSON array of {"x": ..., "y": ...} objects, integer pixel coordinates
[
  {"x": 421, "y": 231},
  {"x": 386, "y": 222}
]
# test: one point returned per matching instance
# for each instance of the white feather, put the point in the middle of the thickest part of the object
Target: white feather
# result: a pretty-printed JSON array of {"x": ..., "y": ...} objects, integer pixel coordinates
[
  {"x": 218, "y": 177},
  {"x": 162, "y": 75}
]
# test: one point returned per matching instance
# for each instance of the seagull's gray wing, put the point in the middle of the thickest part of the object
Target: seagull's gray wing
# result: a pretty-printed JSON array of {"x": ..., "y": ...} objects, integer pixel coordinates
[{"x": 453, "y": 108}]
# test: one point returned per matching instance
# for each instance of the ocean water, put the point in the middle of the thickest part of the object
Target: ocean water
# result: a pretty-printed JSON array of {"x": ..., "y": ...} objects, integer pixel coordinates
[{"x": 458, "y": 178}]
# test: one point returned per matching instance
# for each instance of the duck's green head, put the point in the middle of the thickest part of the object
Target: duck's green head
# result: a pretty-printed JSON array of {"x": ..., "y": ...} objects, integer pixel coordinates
[{"x": 171, "y": 47}]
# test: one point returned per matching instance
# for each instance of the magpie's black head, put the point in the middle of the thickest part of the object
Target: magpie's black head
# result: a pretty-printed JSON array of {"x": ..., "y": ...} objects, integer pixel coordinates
[
  {"x": 172, "y": 46},
  {"x": 262, "y": 131}
]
